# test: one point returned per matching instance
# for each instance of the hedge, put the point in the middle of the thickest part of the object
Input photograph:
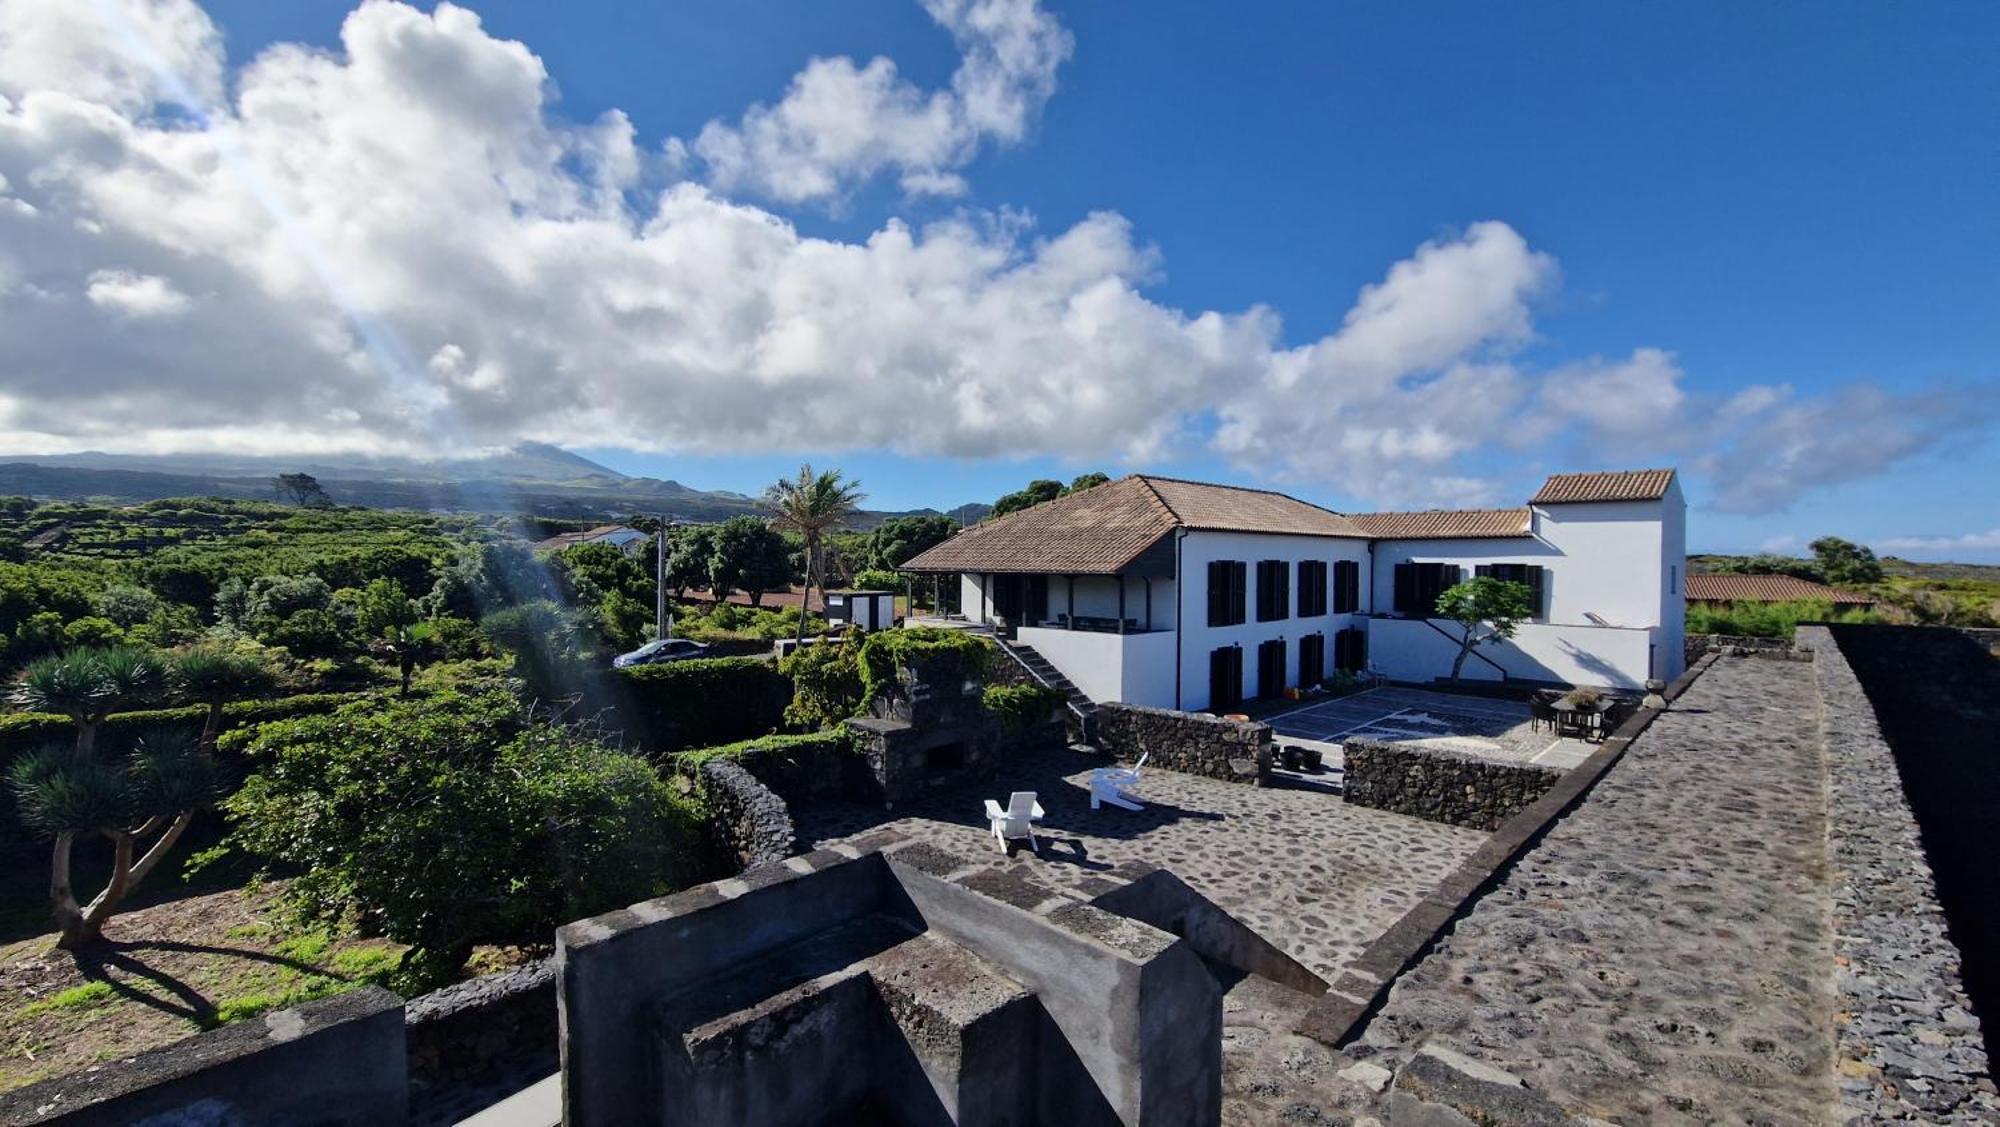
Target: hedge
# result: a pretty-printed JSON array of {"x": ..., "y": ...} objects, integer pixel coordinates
[
  {"x": 703, "y": 702},
  {"x": 789, "y": 745},
  {"x": 24, "y": 731}
]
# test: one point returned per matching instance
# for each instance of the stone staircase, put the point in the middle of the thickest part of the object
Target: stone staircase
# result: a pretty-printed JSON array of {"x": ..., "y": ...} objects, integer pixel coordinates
[{"x": 1082, "y": 709}]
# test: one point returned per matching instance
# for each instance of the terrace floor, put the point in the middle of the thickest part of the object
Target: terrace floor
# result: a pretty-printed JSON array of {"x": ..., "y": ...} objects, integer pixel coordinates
[
  {"x": 1481, "y": 726},
  {"x": 1305, "y": 870}
]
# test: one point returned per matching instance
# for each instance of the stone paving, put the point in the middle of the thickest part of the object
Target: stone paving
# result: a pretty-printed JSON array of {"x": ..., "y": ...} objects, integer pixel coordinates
[
  {"x": 1306, "y": 871},
  {"x": 1486, "y": 727},
  {"x": 1664, "y": 954}
]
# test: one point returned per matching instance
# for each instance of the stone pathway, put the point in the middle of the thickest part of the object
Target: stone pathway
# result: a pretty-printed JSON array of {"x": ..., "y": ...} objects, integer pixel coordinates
[
  {"x": 1311, "y": 874},
  {"x": 1665, "y": 953}
]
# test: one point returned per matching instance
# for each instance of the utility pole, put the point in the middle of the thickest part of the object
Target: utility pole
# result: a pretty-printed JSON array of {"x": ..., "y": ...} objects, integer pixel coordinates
[{"x": 663, "y": 627}]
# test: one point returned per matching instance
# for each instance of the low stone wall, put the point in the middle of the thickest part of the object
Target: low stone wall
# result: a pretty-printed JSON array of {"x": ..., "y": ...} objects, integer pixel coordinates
[
  {"x": 1699, "y": 644},
  {"x": 474, "y": 1030},
  {"x": 1911, "y": 1049},
  {"x": 751, "y": 823},
  {"x": 337, "y": 1062},
  {"x": 1441, "y": 786},
  {"x": 1188, "y": 742}
]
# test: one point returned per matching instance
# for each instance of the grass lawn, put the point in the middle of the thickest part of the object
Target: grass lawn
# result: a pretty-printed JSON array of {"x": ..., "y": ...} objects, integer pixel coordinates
[{"x": 167, "y": 971}]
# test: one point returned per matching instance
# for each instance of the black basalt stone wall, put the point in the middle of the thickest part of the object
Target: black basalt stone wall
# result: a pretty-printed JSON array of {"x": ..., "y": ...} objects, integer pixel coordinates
[
  {"x": 1441, "y": 786},
  {"x": 1189, "y": 742},
  {"x": 1936, "y": 696},
  {"x": 753, "y": 824}
]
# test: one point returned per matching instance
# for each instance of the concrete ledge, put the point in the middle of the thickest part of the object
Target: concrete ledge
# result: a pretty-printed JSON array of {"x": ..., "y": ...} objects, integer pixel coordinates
[
  {"x": 1338, "y": 1017},
  {"x": 336, "y": 1062}
]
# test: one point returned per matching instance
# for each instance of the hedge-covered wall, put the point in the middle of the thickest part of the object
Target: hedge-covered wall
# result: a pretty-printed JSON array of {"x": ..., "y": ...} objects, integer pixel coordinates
[
  {"x": 812, "y": 767},
  {"x": 704, "y": 702}
]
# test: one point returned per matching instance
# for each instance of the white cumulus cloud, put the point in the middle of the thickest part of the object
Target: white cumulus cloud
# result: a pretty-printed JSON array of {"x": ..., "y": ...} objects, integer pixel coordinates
[
  {"x": 397, "y": 246},
  {"x": 138, "y": 295},
  {"x": 841, "y": 122}
]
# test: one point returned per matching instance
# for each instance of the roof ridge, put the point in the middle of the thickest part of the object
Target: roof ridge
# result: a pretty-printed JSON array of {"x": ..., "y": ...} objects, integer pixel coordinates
[
  {"x": 1421, "y": 512},
  {"x": 1150, "y": 478},
  {"x": 1172, "y": 514}
]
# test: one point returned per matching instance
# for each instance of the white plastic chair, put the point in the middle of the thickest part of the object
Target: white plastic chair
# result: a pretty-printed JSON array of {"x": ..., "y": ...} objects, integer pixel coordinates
[
  {"x": 1017, "y": 821},
  {"x": 1115, "y": 785}
]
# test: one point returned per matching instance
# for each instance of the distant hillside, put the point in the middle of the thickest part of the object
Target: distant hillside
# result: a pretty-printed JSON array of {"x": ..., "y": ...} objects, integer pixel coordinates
[
  {"x": 1891, "y": 566},
  {"x": 531, "y": 479}
]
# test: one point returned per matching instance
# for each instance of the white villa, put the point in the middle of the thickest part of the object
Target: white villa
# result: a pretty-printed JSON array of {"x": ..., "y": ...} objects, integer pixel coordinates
[{"x": 1180, "y": 594}]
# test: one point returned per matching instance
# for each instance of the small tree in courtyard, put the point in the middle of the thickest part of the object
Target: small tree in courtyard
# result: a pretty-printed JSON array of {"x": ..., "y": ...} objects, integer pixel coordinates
[{"x": 1487, "y": 610}]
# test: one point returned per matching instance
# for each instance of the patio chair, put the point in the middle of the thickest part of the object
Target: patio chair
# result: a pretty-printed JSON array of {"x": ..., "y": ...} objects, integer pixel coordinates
[
  {"x": 1540, "y": 712},
  {"x": 1017, "y": 821},
  {"x": 1115, "y": 785}
]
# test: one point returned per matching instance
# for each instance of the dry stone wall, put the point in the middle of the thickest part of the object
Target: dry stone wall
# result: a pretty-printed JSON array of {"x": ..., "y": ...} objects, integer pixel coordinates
[
  {"x": 1441, "y": 786},
  {"x": 753, "y": 823},
  {"x": 1910, "y": 1049},
  {"x": 1189, "y": 742}
]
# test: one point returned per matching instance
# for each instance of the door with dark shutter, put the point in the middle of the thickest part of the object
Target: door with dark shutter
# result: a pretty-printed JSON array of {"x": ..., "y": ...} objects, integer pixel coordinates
[
  {"x": 1225, "y": 679},
  {"x": 1312, "y": 659},
  {"x": 1271, "y": 669}
]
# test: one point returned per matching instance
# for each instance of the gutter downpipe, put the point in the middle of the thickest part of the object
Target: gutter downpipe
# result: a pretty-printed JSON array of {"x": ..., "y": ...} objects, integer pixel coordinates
[{"x": 1180, "y": 636}]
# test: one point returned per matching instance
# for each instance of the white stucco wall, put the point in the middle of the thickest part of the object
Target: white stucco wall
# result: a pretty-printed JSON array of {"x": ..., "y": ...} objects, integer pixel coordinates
[
  {"x": 1672, "y": 646},
  {"x": 1133, "y": 668},
  {"x": 1198, "y": 638},
  {"x": 1410, "y": 650},
  {"x": 1610, "y": 560}
]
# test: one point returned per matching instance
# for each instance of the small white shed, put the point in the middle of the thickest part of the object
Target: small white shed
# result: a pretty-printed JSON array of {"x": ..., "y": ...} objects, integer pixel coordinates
[{"x": 870, "y": 610}]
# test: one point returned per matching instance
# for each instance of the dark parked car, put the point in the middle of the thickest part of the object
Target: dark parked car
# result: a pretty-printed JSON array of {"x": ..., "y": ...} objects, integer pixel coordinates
[{"x": 659, "y": 650}]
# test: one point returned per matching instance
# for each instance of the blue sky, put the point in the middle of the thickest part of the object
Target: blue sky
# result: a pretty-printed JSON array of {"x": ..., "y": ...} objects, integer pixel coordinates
[{"x": 1773, "y": 196}]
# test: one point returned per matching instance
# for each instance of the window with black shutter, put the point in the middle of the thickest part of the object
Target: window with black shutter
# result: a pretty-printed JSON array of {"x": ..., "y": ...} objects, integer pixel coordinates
[
  {"x": 1346, "y": 587},
  {"x": 1274, "y": 590},
  {"x": 1532, "y": 576},
  {"x": 1418, "y": 586},
  {"x": 1312, "y": 659},
  {"x": 1225, "y": 678},
  {"x": 1271, "y": 669},
  {"x": 1226, "y": 595},
  {"x": 1312, "y": 588}
]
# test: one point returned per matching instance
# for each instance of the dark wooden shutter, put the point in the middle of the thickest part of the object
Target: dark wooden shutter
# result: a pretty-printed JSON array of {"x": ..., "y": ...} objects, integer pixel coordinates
[
  {"x": 1218, "y": 592},
  {"x": 1239, "y": 597},
  {"x": 1537, "y": 587},
  {"x": 1484, "y": 571},
  {"x": 1406, "y": 588},
  {"x": 1270, "y": 668}
]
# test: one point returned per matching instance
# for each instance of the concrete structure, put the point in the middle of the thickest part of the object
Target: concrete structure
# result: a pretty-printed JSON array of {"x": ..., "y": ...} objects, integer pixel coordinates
[
  {"x": 870, "y": 610},
  {"x": 1184, "y": 595},
  {"x": 337, "y": 1062},
  {"x": 894, "y": 983}
]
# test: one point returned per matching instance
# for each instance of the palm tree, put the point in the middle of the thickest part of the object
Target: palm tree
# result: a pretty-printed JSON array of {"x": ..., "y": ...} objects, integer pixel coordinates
[
  {"x": 215, "y": 674},
  {"x": 88, "y": 685},
  {"x": 809, "y": 507}
]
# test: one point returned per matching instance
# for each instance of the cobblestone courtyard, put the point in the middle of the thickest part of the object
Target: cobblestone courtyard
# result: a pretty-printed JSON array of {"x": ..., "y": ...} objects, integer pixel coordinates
[
  {"x": 1665, "y": 953},
  {"x": 1306, "y": 871}
]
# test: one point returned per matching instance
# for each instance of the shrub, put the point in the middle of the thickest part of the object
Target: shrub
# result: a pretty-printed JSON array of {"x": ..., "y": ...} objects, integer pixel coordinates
[
  {"x": 1020, "y": 706},
  {"x": 782, "y": 744},
  {"x": 1766, "y": 620},
  {"x": 454, "y": 821},
  {"x": 704, "y": 702},
  {"x": 826, "y": 684}
]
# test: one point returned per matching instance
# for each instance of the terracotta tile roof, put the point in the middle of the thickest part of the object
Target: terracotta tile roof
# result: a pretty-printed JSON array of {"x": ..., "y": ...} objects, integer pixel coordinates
[
  {"x": 1101, "y": 531},
  {"x": 1613, "y": 485},
  {"x": 1230, "y": 508},
  {"x": 1444, "y": 524},
  {"x": 1766, "y": 589}
]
